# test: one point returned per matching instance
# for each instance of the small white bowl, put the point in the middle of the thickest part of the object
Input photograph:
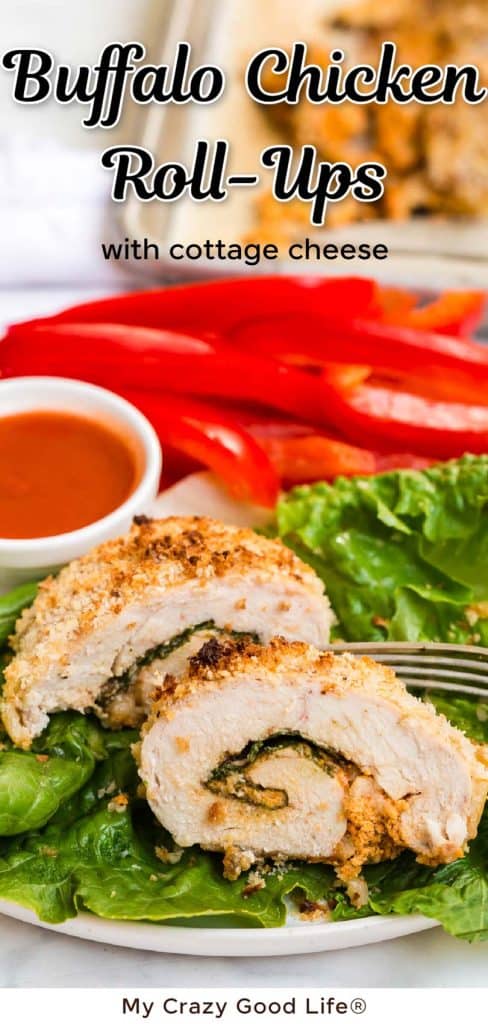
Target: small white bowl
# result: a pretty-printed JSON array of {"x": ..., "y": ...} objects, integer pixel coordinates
[{"x": 22, "y": 560}]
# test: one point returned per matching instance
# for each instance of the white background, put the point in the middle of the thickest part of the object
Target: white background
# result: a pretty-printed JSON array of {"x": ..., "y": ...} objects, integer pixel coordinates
[
  {"x": 75, "y": 30},
  {"x": 232, "y": 1006}
]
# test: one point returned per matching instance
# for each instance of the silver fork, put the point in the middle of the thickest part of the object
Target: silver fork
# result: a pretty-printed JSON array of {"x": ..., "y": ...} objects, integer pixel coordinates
[{"x": 450, "y": 667}]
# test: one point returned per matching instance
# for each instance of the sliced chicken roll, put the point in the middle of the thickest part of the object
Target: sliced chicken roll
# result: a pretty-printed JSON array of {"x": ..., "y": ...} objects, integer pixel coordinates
[
  {"x": 112, "y": 624},
  {"x": 286, "y": 752}
]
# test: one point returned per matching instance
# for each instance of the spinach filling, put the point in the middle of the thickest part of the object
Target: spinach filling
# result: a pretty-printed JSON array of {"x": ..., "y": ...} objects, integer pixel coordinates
[
  {"x": 122, "y": 683},
  {"x": 231, "y": 778}
]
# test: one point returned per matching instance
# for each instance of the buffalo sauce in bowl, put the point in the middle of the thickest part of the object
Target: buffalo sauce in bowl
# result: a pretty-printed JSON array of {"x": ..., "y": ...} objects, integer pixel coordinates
[{"x": 61, "y": 471}]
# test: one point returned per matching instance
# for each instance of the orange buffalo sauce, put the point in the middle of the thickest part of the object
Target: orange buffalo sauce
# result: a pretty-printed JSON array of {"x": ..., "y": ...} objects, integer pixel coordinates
[{"x": 60, "y": 471}]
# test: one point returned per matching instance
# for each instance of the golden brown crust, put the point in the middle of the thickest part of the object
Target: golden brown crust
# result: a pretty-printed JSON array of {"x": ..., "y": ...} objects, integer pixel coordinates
[
  {"x": 220, "y": 661},
  {"x": 373, "y": 829},
  {"x": 155, "y": 554}
]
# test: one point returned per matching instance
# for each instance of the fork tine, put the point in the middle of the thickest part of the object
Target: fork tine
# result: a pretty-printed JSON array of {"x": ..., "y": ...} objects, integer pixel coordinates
[
  {"x": 461, "y": 689},
  {"x": 461, "y": 669},
  {"x": 428, "y": 650},
  {"x": 423, "y": 672},
  {"x": 474, "y": 669},
  {"x": 477, "y": 665}
]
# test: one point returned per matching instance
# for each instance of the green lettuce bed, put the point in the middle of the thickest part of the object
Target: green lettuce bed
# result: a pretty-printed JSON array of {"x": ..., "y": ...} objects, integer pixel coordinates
[{"x": 404, "y": 555}]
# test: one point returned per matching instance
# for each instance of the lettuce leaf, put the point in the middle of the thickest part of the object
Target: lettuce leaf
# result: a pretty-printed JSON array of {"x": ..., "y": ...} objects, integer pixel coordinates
[
  {"x": 101, "y": 857},
  {"x": 106, "y": 862},
  {"x": 11, "y": 606},
  {"x": 403, "y": 555},
  {"x": 35, "y": 784},
  {"x": 455, "y": 895}
]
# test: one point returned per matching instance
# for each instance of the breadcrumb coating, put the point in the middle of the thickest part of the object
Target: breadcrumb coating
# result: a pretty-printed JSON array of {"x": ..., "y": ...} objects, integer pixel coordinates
[
  {"x": 219, "y": 661},
  {"x": 155, "y": 552},
  {"x": 155, "y": 555},
  {"x": 374, "y": 819}
]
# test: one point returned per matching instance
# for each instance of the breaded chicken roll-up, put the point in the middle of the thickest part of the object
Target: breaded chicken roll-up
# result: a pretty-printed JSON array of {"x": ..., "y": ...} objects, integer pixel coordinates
[
  {"x": 101, "y": 634},
  {"x": 288, "y": 752}
]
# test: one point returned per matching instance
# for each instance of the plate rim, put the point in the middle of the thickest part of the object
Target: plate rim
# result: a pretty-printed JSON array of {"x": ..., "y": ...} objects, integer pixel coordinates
[{"x": 291, "y": 939}]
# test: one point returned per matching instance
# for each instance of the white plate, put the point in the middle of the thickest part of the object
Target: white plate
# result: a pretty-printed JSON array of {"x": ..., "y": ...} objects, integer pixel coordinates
[{"x": 296, "y": 937}]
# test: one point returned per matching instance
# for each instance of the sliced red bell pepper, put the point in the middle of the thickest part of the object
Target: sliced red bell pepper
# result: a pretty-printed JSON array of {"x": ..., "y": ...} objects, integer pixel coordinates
[
  {"x": 456, "y": 313},
  {"x": 120, "y": 355},
  {"x": 261, "y": 422},
  {"x": 268, "y": 427},
  {"x": 401, "y": 460},
  {"x": 394, "y": 304},
  {"x": 392, "y": 420},
  {"x": 344, "y": 376},
  {"x": 445, "y": 386},
  {"x": 382, "y": 346},
  {"x": 218, "y": 306},
  {"x": 213, "y": 438},
  {"x": 315, "y": 457}
]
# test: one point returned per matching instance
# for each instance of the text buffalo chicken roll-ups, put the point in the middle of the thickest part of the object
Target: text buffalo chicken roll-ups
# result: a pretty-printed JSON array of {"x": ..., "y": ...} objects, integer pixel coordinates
[
  {"x": 112, "y": 624},
  {"x": 287, "y": 752}
]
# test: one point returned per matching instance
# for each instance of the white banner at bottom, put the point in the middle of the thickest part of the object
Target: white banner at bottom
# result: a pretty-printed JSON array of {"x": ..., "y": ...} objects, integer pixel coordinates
[{"x": 238, "y": 1006}]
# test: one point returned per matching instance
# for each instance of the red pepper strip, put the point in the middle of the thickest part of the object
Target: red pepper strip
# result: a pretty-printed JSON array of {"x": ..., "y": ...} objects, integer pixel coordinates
[
  {"x": 299, "y": 460},
  {"x": 452, "y": 312},
  {"x": 314, "y": 457},
  {"x": 264, "y": 423},
  {"x": 341, "y": 375},
  {"x": 344, "y": 376},
  {"x": 457, "y": 313},
  {"x": 392, "y": 420},
  {"x": 395, "y": 305},
  {"x": 267, "y": 427},
  {"x": 218, "y": 306},
  {"x": 401, "y": 460},
  {"x": 386, "y": 347},
  {"x": 214, "y": 439},
  {"x": 448, "y": 386},
  {"x": 118, "y": 355}
]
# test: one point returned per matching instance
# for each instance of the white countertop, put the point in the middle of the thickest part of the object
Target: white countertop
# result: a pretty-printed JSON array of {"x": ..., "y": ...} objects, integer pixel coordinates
[{"x": 33, "y": 957}]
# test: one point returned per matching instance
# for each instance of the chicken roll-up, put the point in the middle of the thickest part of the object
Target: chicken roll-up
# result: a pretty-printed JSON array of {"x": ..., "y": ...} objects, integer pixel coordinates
[
  {"x": 110, "y": 626},
  {"x": 287, "y": 752}
]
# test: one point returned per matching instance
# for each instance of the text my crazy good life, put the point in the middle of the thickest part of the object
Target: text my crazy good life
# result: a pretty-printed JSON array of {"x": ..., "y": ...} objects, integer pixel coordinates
[{"x": 311, "y": 1006}]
